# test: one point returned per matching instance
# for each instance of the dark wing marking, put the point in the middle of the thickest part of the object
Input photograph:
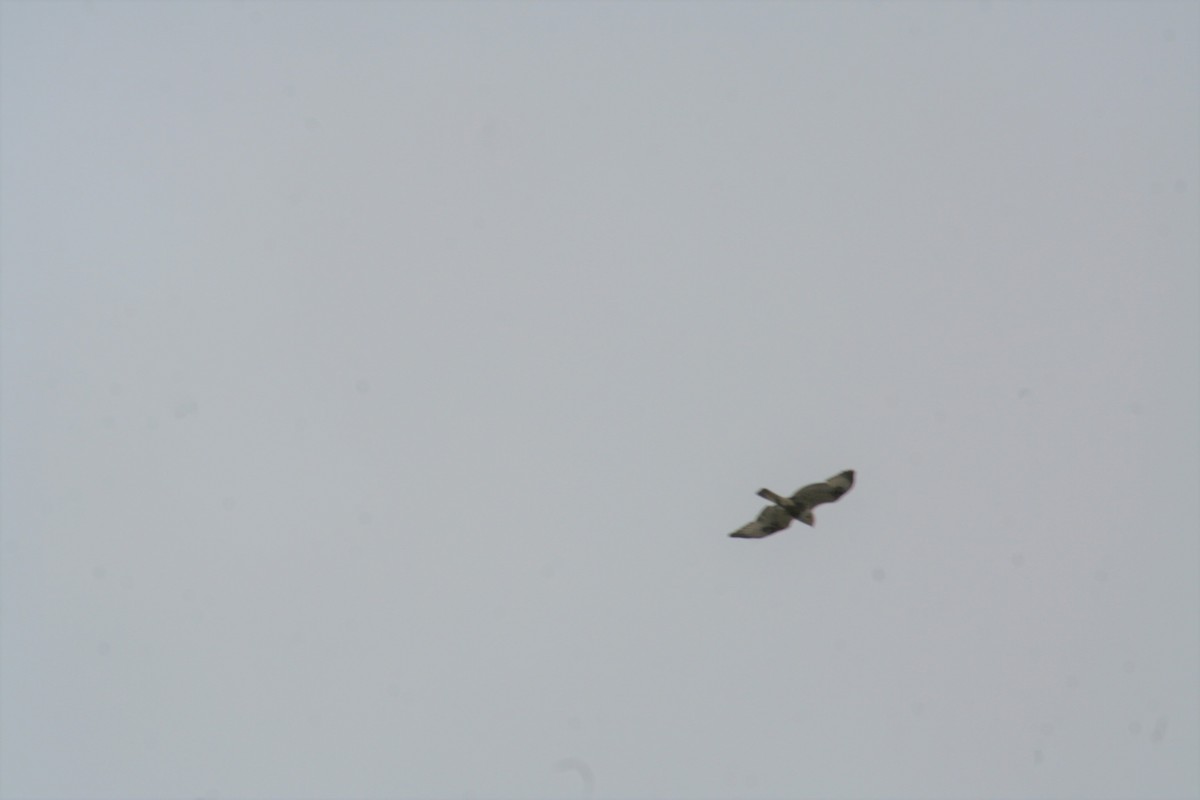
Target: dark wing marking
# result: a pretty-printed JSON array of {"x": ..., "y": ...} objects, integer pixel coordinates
[
  {"x": 817, "y": 493},
  {"x": 771, "y": 519}
]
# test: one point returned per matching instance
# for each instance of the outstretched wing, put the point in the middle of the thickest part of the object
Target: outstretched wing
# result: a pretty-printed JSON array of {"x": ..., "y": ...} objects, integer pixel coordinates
[
  {"x": 771, "y": 519},
  {"x": 817, "y": 493}
]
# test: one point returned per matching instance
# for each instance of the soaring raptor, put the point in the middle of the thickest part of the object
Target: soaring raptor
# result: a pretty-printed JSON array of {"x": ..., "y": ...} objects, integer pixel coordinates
[{"x": 799, "y": 506}]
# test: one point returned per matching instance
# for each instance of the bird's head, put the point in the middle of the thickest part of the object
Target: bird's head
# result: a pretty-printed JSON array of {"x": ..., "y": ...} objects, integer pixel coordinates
[{"x": 808, "y": 519}]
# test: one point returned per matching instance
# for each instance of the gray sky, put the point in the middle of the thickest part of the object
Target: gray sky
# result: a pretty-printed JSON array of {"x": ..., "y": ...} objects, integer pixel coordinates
[{"x": 381, "y": 382}]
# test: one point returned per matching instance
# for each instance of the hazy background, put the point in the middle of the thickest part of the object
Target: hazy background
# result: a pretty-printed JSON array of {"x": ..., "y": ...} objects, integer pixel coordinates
[{"x": 381, "y": 381}]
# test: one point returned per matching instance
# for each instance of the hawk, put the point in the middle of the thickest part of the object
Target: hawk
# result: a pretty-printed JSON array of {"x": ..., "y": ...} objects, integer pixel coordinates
[{"x": 799, "y": 506}]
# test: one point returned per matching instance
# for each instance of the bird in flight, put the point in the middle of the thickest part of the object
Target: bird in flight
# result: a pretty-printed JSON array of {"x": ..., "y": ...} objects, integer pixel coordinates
[{"x": 775, "y": 518}]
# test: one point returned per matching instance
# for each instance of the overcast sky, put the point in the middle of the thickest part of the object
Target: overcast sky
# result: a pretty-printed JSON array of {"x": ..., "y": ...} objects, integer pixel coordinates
[{"x": 381, "y": 382}]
